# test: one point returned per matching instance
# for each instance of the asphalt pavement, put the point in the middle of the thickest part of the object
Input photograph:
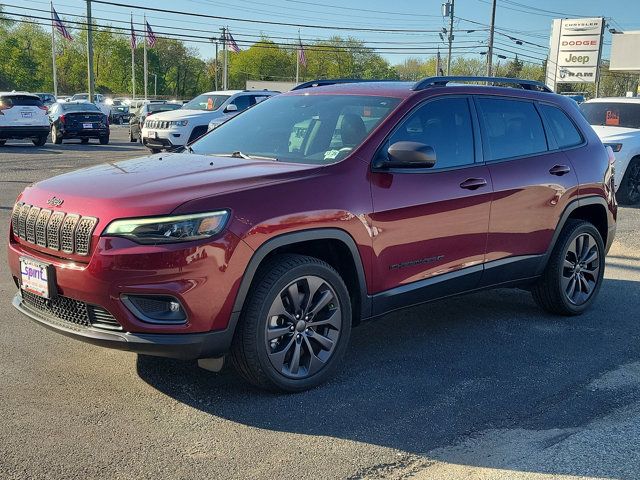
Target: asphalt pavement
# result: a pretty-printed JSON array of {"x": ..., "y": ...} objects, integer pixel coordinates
[{"x": 483, "y": 386}]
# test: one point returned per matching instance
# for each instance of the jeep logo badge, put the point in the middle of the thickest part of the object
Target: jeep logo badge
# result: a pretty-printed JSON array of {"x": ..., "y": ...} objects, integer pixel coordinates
[{"x": 55, "y": 201}]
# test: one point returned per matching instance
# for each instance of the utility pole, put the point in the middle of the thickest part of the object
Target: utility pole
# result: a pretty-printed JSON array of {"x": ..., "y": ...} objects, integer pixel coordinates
[
  {"x": 491, "y": 33},
  {"x": 53, "y": 54},
  {"x": 447, "y": 9},
  {"x": 215, "y": 66},
  {"x": 155, "y": 86},
  {"x": 91, "y": 86},
  {"x": 145, "y": 66},
  {"x": 224, "y": 53}
]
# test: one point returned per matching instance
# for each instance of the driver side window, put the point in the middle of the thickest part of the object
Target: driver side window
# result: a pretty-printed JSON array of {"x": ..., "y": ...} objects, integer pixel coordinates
[{"x": 445, "y": 125}]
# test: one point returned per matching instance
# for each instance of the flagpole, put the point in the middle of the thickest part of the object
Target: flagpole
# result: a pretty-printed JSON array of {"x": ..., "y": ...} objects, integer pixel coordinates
[
  {"x": 225, "y": 33},
  {"x": 298, "y": 59},
  {"x": 133, "y": 64},
  {"x": 53, "y": 55},
  {"x": 145, "y": 55}
]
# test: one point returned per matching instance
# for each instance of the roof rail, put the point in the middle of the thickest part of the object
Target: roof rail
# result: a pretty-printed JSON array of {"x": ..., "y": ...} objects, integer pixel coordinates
[
  {"x": 332, "y": 81},
  {"x": 443, "y": 81}
]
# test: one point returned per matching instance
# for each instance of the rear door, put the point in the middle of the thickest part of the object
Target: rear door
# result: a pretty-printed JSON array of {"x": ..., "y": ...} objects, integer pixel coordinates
[
  {"x": 533, "y": 181},
  {"x": 430, "y": 225}
]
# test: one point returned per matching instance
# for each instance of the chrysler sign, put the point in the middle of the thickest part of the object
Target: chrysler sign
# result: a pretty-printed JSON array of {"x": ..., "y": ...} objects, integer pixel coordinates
[{"x": 575, "y": 50}]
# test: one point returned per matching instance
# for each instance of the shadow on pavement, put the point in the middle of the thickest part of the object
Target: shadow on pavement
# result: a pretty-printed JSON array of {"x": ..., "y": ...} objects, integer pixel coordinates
[{"x": 425, "y": 377}]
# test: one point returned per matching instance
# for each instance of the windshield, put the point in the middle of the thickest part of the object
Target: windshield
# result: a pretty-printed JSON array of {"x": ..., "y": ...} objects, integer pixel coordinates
[
  {"x": 206, "y": 102},
  {"x": 79, "y": 107},
  {"x": 315, "y": 129},
  {"x": 613, "y": 114},
  {"x": 163, "y": 107}
]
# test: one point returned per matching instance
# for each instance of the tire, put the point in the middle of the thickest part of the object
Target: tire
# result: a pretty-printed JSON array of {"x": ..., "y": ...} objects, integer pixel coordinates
[
  {"x": 131, "y": 138},
  {"x": 270, "y": 364},
  {"x": 2, "y": 142},
  {"x": 56, "y": 137},
  {"x": 154, "y": 150},
  {"x": 103, "y": 140},
  {"x": 569, "y": 287},
  {"x": 39, "y": 141},
  {"x": 84, "y": 141},
  {"x": 629, "y": 191}
]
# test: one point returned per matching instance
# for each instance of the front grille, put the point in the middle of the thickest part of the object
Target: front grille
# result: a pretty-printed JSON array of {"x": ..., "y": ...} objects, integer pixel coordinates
[
  {"x": 158, "y": 124},
  {"x": 72, "y": 313},
  {"x": 68, "y": 232}
]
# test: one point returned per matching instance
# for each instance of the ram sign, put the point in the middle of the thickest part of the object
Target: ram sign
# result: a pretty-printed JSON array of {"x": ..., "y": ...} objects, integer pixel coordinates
[{"x": 574, "y": 51}]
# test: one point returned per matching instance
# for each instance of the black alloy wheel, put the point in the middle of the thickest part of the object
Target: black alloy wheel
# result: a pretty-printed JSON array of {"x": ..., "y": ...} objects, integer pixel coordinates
[
  {"x": 303, "y": 327},
  {"x": 581, "y": 269}
]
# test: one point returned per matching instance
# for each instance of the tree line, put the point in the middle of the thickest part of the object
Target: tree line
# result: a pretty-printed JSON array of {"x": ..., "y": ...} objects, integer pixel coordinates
[{"x": 181, "y": 73}]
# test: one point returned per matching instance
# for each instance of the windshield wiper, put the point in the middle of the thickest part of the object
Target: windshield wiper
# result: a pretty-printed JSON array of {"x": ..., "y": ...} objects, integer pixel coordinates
[{"x": 239, "y": 154}]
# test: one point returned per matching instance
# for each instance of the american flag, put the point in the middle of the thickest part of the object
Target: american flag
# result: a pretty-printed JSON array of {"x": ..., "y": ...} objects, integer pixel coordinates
[
  {"x": 134, "y": 40},
  {"x": 231, "y": 43},
  {"x": 302, "y": 58},
  {"x": 151, "y": 37},
  {"x": 58, "y": 25}
]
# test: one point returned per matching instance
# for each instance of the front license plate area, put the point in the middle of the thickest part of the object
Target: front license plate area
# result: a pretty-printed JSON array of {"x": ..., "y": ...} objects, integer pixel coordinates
[
  {"x": 37, "y": 278},
  {"x": 87, "y": 125},
  {"x": 153, "y": 134}
]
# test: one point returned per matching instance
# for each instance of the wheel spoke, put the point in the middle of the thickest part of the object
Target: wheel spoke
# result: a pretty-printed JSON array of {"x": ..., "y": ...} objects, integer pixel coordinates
[
  {"x": 333, "y": 320},
  {"x": 278, "y": 309},
  {"x": 315, "y": 363},
  {"x": 294, "y": 364},
  {"x": 586, "y": 246},
  {"x": 294, "y": 297},
  {"x": 571, "y": 287},
  {"x": 325, "y": 298},
  {"x": 313, "y": 285},
  {"x": 277, "y": 332},
  {"x": 591, "y": 257},
  {"x": 277, "y": 358},
  {"x": 325, "y": 342},
  {"x": 568, "y": 264},
  {"x": 586, "y": 288}
]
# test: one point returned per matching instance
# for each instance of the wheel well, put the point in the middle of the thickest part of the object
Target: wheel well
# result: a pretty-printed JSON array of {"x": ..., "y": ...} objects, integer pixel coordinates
[
  {"x": 595, "y": 214},
  {"x": 197, "y": 132},
  {"x": 336, "y": 254}
]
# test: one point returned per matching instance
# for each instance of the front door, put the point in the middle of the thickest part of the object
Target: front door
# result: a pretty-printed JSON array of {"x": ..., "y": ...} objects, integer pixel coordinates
[{"x": 430, "y": 225}]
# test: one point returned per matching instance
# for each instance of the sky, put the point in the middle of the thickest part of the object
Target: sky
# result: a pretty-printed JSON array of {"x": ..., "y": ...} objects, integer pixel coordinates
[{"x": 526, "y": 21}]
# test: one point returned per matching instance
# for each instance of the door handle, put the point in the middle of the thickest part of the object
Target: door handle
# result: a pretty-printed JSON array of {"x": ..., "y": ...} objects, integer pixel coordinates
[
  {"x": 559, "y": 170},
  {"x": 473, "y": 183}
]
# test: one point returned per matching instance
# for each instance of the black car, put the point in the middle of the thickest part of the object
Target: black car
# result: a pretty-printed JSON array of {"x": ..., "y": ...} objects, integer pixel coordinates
[
  {"x": 119, "y": 113},
  {"x": 138, "y": 117},
  {"x": 48, "y": 99},
  {"x": 81, "y": 120}
]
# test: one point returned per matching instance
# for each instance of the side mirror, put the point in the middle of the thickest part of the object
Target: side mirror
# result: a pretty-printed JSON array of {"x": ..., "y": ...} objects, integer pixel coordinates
[
  {"x": 231, "y": 108},
  {"x": 409, "y": 155}
]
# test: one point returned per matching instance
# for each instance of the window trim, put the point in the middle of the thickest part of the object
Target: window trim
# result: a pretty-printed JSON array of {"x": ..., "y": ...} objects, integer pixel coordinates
[
  {"x": 547, "y": 122},
  {"x": 483, "y": 133},
  {"x": 478, "y": 158}
]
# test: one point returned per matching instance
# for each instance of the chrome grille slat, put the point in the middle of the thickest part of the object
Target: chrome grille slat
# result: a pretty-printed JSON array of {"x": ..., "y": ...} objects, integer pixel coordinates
[
  {"x": 31, "y": 224},
  {"x": 41, "y": 227},
  {"x": 68, "y": 232},
  {"x": 53, "y": 230}
]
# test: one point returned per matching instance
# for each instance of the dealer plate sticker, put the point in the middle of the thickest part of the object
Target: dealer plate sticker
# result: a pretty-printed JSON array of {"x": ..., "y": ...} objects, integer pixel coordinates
[{"x": 35, "y": 277}]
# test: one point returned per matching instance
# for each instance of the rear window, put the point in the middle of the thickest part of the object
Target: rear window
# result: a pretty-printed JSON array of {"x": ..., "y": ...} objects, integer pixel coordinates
[
  {"x": 612, "y": 114},
  {"x": 9, "y": 101},
  {"x": 511, "y": 128},
  {"x": 566, "y": 133},
  {"x": 79, "y": 107}
]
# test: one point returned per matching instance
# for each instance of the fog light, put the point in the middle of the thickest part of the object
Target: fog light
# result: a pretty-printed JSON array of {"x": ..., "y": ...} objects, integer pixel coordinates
[{"x": 160, "y": 309}]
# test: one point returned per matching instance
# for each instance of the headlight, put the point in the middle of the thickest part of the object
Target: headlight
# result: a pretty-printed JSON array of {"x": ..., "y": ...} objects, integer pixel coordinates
[
  {"x": 616, "y": 147},
  {"x": 178, "y": 123},
  {"x": 172, "y": 229}
]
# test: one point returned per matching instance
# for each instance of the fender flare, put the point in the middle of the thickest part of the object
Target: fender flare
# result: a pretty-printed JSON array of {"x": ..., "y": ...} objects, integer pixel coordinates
[{"x": 298, "y": 237}]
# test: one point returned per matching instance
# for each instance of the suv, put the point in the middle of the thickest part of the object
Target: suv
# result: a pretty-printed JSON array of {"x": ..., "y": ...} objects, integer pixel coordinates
[
  {"x": 23, "y": 115},
  {"x": 169, "y": 130},
  {"x": 617, "y": 122},
  {"x": 324, "y": 207}
]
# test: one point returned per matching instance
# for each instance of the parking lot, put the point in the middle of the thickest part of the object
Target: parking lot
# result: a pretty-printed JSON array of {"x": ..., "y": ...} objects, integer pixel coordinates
[{"x": 484, "y": 386}]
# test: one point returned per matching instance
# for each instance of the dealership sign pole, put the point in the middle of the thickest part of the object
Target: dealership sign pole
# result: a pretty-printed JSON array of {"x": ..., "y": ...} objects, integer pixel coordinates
[{"x": 574, "y": 51}]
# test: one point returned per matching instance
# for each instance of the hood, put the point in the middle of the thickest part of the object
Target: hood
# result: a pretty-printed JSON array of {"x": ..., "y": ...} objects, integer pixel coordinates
[
  {"x": 182, "y": 114},
  {"x": 155, "y": 185},
  {"x": 606, "y": 132}
]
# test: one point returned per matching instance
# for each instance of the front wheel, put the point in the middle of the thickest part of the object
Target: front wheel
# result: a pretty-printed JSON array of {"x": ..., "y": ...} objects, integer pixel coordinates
[
  {"x": 574, "y": 272},
  {"x": 629, "y": 191},
  {"x": 295, "y": 326}
]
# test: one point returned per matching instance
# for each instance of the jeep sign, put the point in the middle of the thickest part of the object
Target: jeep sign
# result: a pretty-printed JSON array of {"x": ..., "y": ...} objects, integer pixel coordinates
[{"x": 574, "y": 53}]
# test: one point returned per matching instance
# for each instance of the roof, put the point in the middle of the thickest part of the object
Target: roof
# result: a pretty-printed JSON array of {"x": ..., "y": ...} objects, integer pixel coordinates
[
  {"x": 4, "y": 94},
  {"x": 223, "y": 92},
  {"x": 615, "y": 100}
]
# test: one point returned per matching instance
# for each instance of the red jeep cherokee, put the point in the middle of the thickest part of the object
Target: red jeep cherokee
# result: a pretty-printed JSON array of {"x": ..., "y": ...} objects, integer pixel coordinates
[{"x": 270, "y": 237}]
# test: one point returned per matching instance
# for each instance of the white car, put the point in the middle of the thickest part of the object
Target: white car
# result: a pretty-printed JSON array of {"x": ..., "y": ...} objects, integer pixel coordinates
[
  {"x": 99, "y": 99},
  {"x": 617, "y": 122},
  {"x": 177, "y": 128},
  {"x": 23, "y": 115}
]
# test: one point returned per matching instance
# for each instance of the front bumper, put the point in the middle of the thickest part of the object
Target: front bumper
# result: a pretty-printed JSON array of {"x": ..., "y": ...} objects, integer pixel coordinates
[
  {"x": 24, "y": 132},
  {"x": 182, "y": 346},
  {"x": 165, "y": 139}
]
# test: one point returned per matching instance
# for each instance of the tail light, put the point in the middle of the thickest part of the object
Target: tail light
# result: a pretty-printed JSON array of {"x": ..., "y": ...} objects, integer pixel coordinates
[
  {"x": 4, "y": 106},
  {"x": 44, "y": 107},
  {"x": 61, "y": 118}
]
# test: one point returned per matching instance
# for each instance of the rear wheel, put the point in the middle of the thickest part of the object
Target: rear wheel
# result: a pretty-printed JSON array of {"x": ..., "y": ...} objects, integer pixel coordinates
[
  {"x": 56, "y": 136},
  {"x": 295, "y": 325},
  {"x": 574, "y": 273},
  {"x": 103, "y": 140},
  {"x": 40, "y": 141},
  {"x": 629, "y": 191},
  {"x": 132, "y": 139},
  {"x": 2, "y": 142},
  {"x": 84, "y": 141}
]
